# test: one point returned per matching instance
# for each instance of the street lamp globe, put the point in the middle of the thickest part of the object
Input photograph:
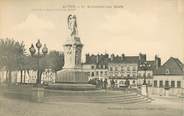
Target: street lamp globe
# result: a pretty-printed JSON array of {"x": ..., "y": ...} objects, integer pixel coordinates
[
  {"x": 32, "y": 50},
  {"x": 38, "y": 44},
  {"x": 45, "y": 49}
]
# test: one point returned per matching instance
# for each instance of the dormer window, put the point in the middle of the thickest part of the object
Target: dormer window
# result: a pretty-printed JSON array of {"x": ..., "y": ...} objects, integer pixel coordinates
[{"x": 167, "y": 71}]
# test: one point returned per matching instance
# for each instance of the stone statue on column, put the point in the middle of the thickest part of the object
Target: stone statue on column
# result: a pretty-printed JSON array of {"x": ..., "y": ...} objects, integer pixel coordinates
[{"x": 72, "y": 25}]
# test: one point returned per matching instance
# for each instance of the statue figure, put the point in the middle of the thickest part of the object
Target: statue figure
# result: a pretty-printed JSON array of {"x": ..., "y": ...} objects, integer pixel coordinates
[{"x": 72, "y": 25}]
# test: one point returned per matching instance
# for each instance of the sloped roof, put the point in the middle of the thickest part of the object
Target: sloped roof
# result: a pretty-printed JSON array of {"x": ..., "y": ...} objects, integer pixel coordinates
[
  {"x": 98, "y": 59},
  {"x": 173, "y": 66},
  {"x": 131, "y": 59},
  {"x": 126, "y": 59}
]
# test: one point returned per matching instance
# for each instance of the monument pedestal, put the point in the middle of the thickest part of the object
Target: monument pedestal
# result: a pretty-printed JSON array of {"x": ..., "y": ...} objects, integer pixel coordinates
[
  {"x": 72, "y": 79},
  {"x": 72, "y": 86},
  {"x": 72, "y": 76},
  {"x": 144, "y": 90}
]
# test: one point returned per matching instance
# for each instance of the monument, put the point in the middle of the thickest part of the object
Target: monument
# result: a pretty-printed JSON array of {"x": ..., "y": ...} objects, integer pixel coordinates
[{"x": 72, "y": 77}]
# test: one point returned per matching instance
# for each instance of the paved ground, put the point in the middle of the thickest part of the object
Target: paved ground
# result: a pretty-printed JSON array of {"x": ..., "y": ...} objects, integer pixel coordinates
[{"x": 161, "y": 106}]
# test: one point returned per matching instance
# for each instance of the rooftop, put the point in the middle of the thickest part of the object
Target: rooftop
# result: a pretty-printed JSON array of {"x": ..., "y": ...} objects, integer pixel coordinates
[{"x": 173, "y": 66}]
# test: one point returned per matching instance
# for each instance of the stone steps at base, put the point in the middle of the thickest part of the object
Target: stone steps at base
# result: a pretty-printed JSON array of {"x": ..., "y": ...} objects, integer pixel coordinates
[
  {"x": 118, "y": 101},
  {"x": 87, "y": 93},
  {"x": 93, "y": 98},
  {"x": 96, "y": 96},
  {"x": 108, "y": 102},
  {"x": 88, "y": 99}
]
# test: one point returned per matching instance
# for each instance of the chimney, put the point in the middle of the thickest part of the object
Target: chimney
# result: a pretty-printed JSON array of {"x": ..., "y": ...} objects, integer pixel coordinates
[
  {"x": 87, "y": 58},
  {"x": 112, "y": 57},
  {"x": 106, "y": 55},
  {"x": 157, "y": 62},
  {"x": 97, "y": 58},
  {"x": 142, "y": 58},
  {"x": 122, "y": 56}
]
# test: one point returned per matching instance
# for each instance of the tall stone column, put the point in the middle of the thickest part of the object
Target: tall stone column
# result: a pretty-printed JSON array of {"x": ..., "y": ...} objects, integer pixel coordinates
[
  {"x": 72, "y": 53},
  {"x": 72, "y": 77}
]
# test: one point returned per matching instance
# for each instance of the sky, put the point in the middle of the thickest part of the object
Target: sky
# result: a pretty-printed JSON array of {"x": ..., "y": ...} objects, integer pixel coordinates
[{"x": 118, "y": 26}]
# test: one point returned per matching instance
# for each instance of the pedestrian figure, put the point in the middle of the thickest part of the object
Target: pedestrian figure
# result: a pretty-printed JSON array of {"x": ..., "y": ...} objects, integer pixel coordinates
[
  {"x": 97, "y": 83},
  {"x": 113, "y": 83},
  {"x": 105, "y": 84},
  {"x": 101, "y": 83}
]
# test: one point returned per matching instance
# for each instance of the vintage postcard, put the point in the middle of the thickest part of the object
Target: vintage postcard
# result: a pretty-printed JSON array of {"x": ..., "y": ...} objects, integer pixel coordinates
[{"x": 91, "y": 57}]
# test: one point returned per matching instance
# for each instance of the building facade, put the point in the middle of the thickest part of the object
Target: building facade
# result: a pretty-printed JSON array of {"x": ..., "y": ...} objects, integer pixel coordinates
[
  {"x": 96, "y": 66},
  {"x": 123, "y": 69},
  {"x": 169, "y": 79},
  {"x": 148, "y": 72}
]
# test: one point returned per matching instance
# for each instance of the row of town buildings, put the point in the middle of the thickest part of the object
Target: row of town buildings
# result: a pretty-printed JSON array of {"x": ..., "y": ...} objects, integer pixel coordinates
[
  {"x": 121, "y": 68},
  {"x": 162, "y": 79},
  {"x": 166, "y": 79}
]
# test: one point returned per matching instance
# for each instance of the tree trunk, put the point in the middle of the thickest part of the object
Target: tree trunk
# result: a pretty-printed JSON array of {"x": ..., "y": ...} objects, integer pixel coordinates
[
  {"x": 54, "y": 78},
  {"x": 41, "y": 76},
  {"x": 9, "y": 77},
  {"x": 21, "y": 76},
  {"x": 24, "y": 76}
]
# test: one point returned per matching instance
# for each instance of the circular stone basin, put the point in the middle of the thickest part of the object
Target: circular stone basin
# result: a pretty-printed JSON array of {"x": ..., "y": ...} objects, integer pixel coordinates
[{"x": 72, "y": 87}]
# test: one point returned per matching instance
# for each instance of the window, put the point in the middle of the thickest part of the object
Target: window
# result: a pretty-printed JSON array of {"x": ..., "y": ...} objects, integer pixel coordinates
[
  {"x": 110, "y": 68},
  {"x": 101, "y": 73},
  {"x": 88, "y": 73},
  {"x": 116, "y": 73},
  {"x": 92, "y": 74},
  {"x": 97, "y": 73},
  {"x": 172, "y": 84},
  {"x": 167, "y": 71},
  {"x": 92, "y": 67},
  {"x": 119, "y": 73},
  {"x": 166, "y": 83},
  {"x": 148, "y": 75},
  {"x": 178, "y": 84},
  {"x": 121, "y": 82},
  {"x": 155, "y": 83},
  {"x": 116, "y": 68},
  {"x": 122, "y": 68},
  {"x": 134, "y": 68},
  {"x": 105, "y": 72},
  {"x": 161, "y": 84},
  {"x": 128, "y": 68},
  {"x": 149, "y": 82},
  {"x": 106, "y": 66}
]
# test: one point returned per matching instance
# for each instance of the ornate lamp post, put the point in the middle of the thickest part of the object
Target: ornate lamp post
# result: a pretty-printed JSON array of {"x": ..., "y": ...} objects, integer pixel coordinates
[
  {"x": 145, "y": 66},
  {"x": 38, "y": 56}
]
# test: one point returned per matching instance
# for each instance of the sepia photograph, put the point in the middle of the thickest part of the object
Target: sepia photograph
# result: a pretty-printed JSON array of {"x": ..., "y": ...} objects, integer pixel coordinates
[{"x": 91, "y": 57}]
